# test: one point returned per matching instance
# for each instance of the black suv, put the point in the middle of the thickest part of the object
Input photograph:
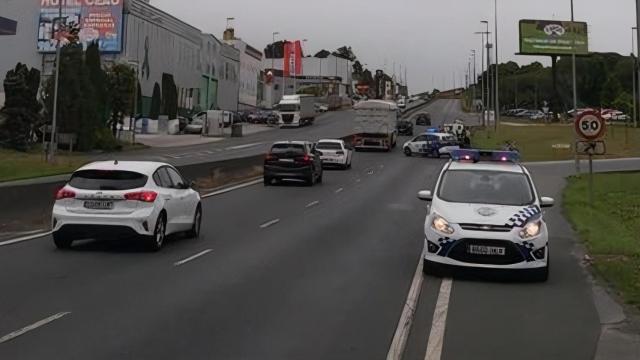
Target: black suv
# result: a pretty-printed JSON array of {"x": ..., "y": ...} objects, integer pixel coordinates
[
  {"x": 405, "y": 127},
  {"x": 423, "y": 119},
  {"x": 296, "y": 160}
]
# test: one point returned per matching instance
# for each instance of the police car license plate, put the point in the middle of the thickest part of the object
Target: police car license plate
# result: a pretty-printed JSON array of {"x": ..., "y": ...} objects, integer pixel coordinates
[{"x": 485, "y": 250}]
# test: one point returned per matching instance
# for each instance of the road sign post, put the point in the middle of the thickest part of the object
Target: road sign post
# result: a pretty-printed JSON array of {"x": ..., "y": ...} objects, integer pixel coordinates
[{"x": 590, "y": 127}]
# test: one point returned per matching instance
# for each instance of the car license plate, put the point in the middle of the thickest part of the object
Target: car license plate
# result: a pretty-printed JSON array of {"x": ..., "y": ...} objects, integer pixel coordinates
[
  {"x": 286, "y": 160},
  {"x": 99, "y": 205},
  {"x": 485, "y": 250}
]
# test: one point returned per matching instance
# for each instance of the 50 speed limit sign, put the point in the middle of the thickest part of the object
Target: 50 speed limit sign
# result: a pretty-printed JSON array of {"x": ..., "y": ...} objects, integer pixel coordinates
[{"x": 590, "y": 126}]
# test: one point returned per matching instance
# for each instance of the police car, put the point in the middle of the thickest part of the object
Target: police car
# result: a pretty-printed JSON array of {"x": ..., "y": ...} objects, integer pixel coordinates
[
  {"x": 486, "y": 213},
  {"x": 431, "y": 143}
]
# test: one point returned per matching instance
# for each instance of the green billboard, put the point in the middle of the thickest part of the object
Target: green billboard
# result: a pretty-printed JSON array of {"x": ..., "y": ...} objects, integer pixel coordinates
[{"x": 550, "y": 37}]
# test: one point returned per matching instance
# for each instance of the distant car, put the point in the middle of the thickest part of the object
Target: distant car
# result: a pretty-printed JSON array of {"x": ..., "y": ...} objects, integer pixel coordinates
[
  {"x": 423, "y": 119},
  {"x": 401, "y": 103},
  {"x": 537, "y": 115},
  {"x": 293, "y": 160},
  {"x": 431, "y": 144},
  {"x": 405, "y": 127},
  {"x": 195, "y": 126},
  {"x": 335, "y": 153},
  {"x": 108, "y": 200},
  {"x": 321, "y": 108}
]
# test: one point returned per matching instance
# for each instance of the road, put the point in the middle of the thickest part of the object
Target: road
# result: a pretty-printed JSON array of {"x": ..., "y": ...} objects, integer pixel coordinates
[{"x": 290, "y": 272}]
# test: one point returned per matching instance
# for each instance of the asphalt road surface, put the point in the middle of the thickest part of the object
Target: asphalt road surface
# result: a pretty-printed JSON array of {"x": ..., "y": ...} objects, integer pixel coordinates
[{"x": 291, "y": 272}]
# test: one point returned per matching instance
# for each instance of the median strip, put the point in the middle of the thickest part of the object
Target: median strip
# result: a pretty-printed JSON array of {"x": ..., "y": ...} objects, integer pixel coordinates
[{"x": 32, "y": 327}]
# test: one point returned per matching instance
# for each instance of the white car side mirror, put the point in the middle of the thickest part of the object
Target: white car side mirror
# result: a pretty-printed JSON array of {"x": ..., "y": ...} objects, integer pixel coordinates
[
  {"x": 547, "y": 202},
  {"x": 425, "y": 195}
]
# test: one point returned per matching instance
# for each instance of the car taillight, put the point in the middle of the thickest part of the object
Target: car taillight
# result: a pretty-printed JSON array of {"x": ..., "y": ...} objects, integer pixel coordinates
[
  {"x": 304, "y": 159},
  {"x": 271, "y": 157},
  {"x": 65, "y": 194},
  {"x": 144, "y": 196}
]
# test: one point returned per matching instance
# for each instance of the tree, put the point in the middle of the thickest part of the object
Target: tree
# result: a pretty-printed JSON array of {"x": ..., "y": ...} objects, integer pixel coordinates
[
  {"x": 345, "y": 52},
  {"x": 122, "y": 85},
  {"x": 76, "y": 99},
  {"x": 156, "y": 102},
  {"x": 21, "y": 112},
  {"x": 357, "y": 69},
  {"x": 170, "y": 96}
]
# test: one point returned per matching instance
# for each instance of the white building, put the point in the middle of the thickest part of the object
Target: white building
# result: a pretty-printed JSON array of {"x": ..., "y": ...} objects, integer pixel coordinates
[{"x": 250, "y": 70}]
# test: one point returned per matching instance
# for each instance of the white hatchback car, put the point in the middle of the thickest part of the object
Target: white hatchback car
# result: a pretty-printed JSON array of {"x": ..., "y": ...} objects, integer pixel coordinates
[
  {"x": 335, "y": 153},
  {"x": 486, "y": 213},
  {"x": 107, "y": 200}
]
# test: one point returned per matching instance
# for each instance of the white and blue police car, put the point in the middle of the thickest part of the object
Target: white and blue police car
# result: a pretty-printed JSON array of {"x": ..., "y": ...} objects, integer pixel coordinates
[
  {"x": 431, "y": 143},
  {"x": 486, "y": 213}
]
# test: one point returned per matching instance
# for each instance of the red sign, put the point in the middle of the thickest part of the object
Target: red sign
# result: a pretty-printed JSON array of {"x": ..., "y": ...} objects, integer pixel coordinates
[
  {"x": 292, "y": 58},
  {"x": 590, "y": 125}
]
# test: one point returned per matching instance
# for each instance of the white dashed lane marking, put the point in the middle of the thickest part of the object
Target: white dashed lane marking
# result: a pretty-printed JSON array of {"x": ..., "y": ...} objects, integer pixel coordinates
[
  {"x": 269, "y": 223},
  {"x": 33, "y": 326}
]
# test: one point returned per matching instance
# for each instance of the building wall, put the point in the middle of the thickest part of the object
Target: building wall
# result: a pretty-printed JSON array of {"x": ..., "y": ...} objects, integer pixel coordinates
[
  {"x": 250, "y": 67},
  {"x": 22, "y": 46}
]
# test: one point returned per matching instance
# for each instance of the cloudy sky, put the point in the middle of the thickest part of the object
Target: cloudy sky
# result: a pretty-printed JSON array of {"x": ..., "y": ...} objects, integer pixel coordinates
[{"x": 431, "y": 38}]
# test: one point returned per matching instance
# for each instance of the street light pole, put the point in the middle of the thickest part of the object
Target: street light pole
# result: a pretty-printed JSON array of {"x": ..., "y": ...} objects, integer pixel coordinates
[
  {"x": 633, "y": 74},
  {"x": 475, "y": 77},
  {"x": 54, "y": 122},
  {"x": 497, "y": 96},
  {"x": 635, "y": 121},
  {"x": 575, "y": 90},
  {"x": 273, "y": 59}
]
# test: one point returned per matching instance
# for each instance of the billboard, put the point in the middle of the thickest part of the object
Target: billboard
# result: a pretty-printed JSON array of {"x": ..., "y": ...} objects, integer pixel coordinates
[
  {"x": 97, "y": 20},
  {"x": 292, "y": 58},
  {"x": 551, "y": 37}
]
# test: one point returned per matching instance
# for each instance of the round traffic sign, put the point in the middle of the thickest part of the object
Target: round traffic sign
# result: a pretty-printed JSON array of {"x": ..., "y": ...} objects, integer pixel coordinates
[{"x": 590, "y": 126}]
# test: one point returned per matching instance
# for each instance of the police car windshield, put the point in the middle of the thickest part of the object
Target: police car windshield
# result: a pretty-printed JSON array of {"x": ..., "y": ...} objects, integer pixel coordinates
[{"x": 486, "y": 187}]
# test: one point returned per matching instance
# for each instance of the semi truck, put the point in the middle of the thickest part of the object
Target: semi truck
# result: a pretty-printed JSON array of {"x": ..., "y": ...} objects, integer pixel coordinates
[
  {"x": 376, "y": 125},
  {"x": 296, "y": 110}
]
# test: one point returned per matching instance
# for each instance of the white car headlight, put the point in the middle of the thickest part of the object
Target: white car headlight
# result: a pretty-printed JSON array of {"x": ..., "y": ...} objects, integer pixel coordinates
[
  {"x": 531, "y": 229},
  {"x": 441, "y": 225}
]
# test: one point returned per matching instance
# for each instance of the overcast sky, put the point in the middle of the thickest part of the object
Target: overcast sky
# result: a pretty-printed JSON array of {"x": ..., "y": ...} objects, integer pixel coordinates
[{"x": 432, "y": 38}]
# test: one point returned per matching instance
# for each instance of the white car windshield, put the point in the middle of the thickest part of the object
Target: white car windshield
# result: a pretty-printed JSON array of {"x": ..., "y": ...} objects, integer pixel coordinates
[{"x": 486, "y": 187}]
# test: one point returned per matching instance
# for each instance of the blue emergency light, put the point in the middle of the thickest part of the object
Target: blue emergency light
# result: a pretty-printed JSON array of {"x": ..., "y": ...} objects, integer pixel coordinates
[
  {"x": 432, "y": 130},
  {"x": 475, "y": 155}
]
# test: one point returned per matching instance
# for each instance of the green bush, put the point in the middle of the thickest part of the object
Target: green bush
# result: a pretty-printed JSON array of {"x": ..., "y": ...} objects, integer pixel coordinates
[{"x": 104, "y": 140}]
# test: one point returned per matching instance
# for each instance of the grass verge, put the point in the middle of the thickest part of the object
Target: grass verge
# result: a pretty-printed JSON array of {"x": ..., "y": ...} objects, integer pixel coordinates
[
  {"x": 536, "y": 141},
  {"x": 610, "y": 229},
  {"x": 15, "y": 165}
]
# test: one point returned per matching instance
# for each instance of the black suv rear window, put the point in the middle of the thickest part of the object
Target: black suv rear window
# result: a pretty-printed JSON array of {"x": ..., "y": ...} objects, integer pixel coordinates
[
  {"x": 107, "y": 180},
  {"x": 288, "y": 149}
]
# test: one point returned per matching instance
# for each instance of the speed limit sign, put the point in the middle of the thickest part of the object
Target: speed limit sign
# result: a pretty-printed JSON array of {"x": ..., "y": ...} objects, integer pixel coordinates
[{"x": 590, "y": 126}]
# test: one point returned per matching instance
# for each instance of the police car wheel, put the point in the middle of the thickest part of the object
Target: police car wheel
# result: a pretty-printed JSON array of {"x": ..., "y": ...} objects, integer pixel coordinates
[{"x": 407, "y": 152}]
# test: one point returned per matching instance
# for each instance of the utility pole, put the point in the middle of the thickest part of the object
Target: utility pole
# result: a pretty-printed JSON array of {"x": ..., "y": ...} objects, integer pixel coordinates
[
  {"x": 575, "y": 91},
  {"x": 633, "y": 74},
  {"x": 475, "y": 77},
  {"x": 54, "y": 123},
  {"x": 635, "y": 121},
  {"x": 497, "y": 97},
  {"x": 273, "y": 70}
]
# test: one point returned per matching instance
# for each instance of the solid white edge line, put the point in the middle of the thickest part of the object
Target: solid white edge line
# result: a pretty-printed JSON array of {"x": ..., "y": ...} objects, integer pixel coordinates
[
  {"x": 191, "y": 258},
  {"x": 269, "y": 223},
  {"x": 232, "y": 188},
  {"x": 25, "y": 238},
  {"x": 439, "y": 322},
  {"x": 399, "y": 342},
  {"x": 312, "y": 204},
  {"x": 33, "y": 326}
]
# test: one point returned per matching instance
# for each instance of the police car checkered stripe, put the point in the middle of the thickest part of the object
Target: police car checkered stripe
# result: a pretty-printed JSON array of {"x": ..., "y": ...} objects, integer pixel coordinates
[{"x": 521, "y": 217}]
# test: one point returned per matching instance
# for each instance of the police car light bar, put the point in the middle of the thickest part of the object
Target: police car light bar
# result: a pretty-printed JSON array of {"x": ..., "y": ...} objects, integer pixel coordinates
[
  {"x": 474, "y": 155},
  {"x": 432, "y": 130}
]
